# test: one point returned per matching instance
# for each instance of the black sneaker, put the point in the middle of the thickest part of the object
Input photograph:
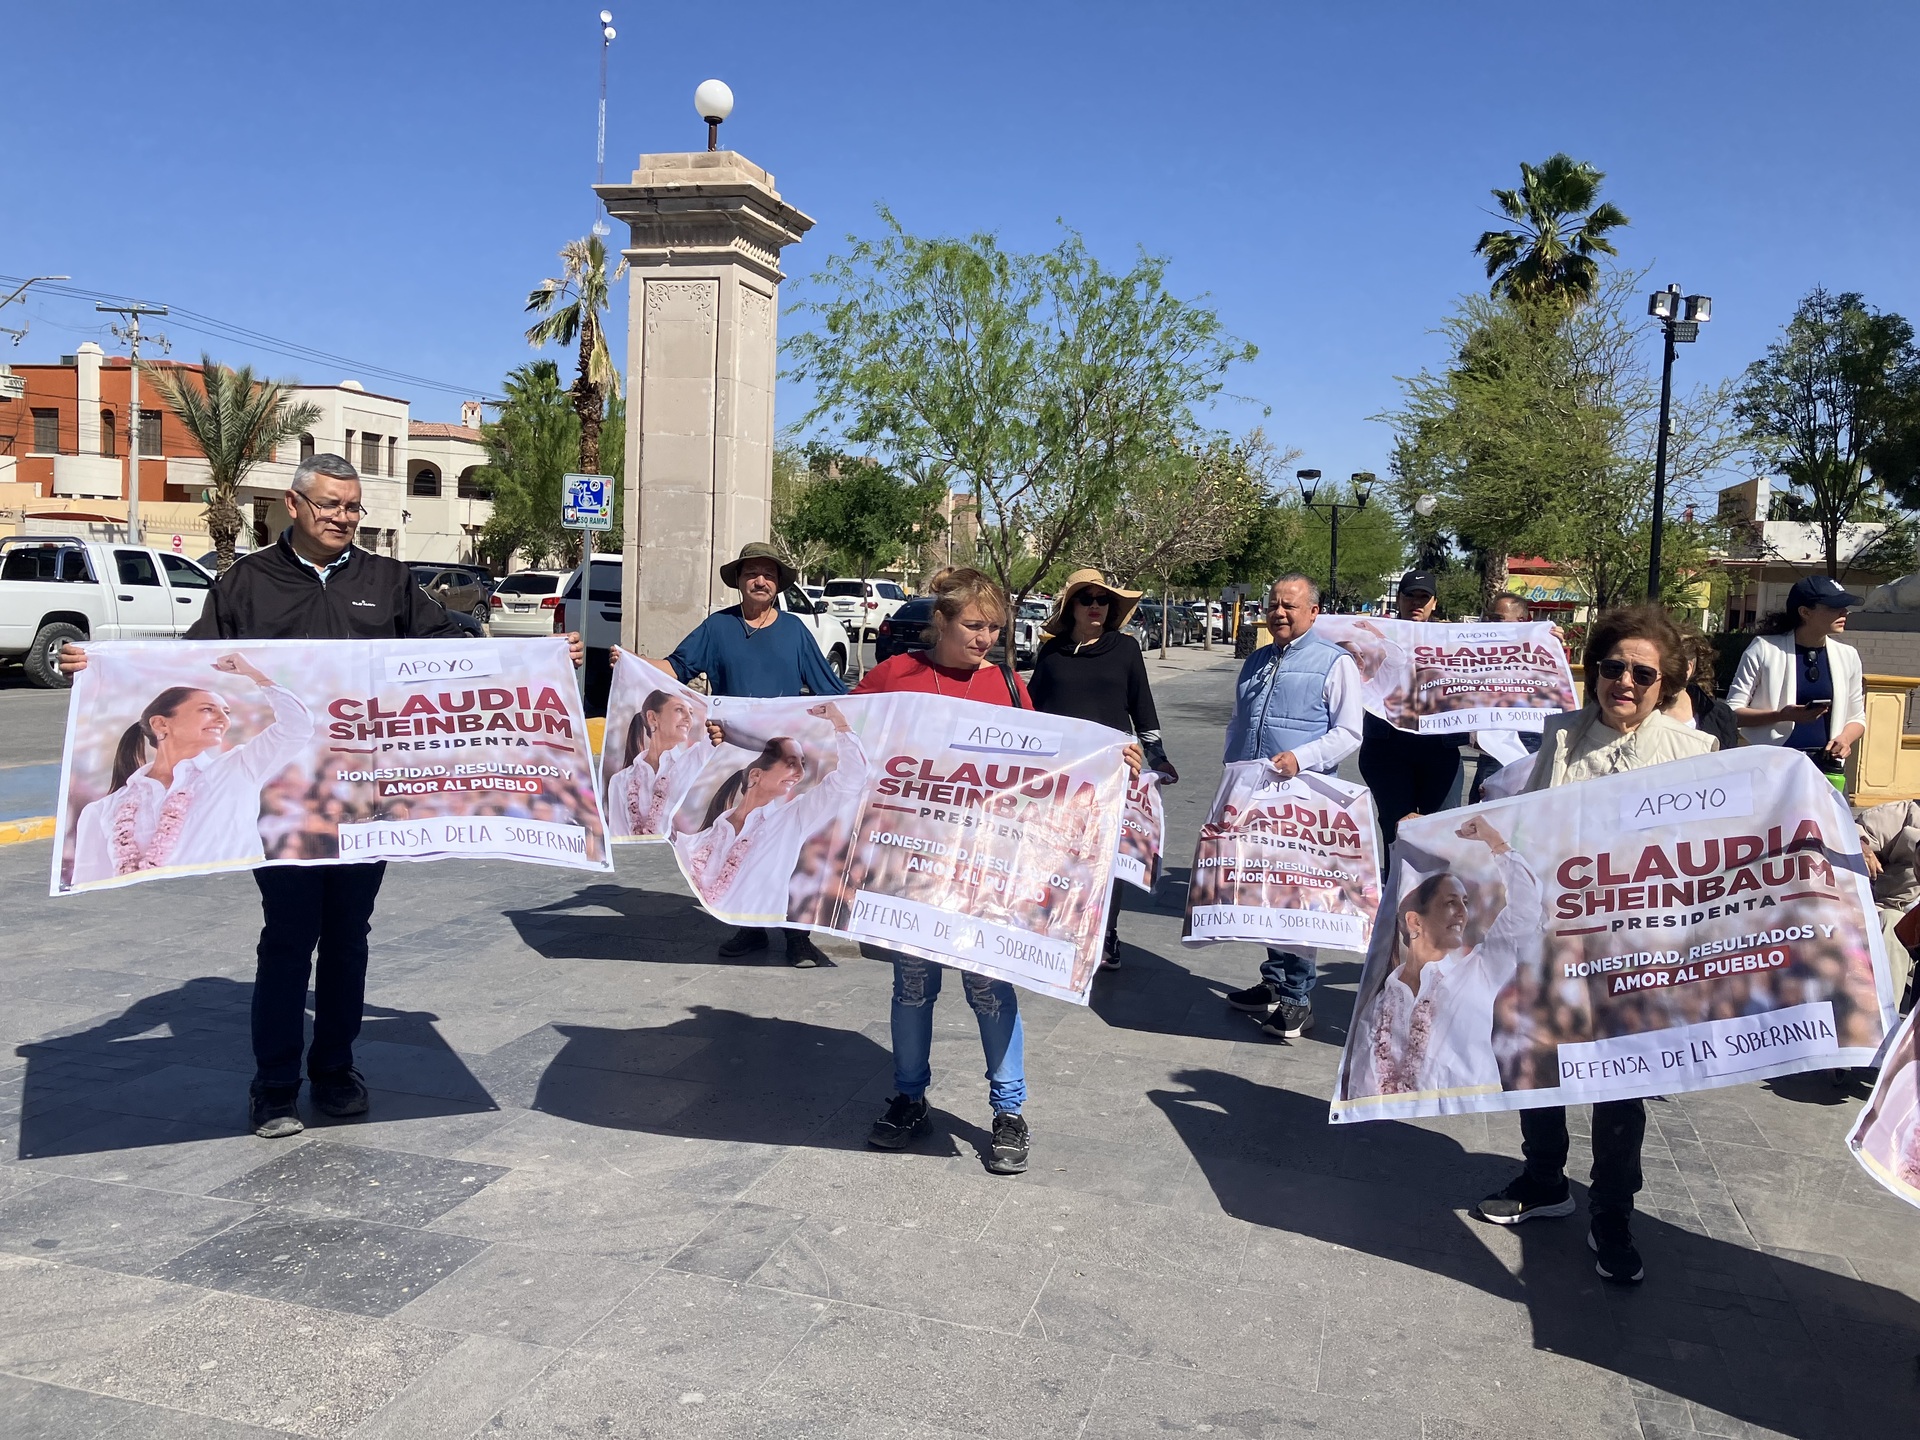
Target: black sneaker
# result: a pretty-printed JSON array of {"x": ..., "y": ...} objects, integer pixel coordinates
[
  {"x": 1258, "y": 999},
  {"x": 743, "y": 941},
  {"x": 1110, "y": 955},
  {"x": 802, "y": 953},
  {"x": 341, "y": 1094},
  {"x": 1528, "y": 1199},
  {"x": 1010, "y": 1136},
  {"x": 274, "y": 1113},
  {"x": 904, "y": 1119},
  {"x": 1611, "y": 1240},
  {"x": 1289, "y": 1021}
]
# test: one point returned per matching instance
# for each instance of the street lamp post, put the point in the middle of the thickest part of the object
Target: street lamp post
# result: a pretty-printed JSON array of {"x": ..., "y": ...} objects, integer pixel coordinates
[
  {"x": 607, "y": 33},
  {"x": 713, "y": 103},
  {"x": 1309, "y": 482},
  {"x": 1680, "y": 320}
]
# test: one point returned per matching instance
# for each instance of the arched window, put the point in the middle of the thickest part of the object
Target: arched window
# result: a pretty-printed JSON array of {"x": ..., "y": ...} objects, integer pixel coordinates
[
  {"x": 471, "y": 486},
  {"x": 306, "y": 447},
  {"x": 426, "y": 481}
]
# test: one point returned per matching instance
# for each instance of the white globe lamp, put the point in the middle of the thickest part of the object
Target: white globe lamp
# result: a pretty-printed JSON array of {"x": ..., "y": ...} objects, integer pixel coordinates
[{"x": 713, "y": 103}]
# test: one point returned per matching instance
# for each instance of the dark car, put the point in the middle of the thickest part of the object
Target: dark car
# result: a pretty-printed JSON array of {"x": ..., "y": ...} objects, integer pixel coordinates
[
  {"x": 1145, "y": 625},
  {"x": 463, "y": 589},
  {"x": 905, "y": 630}
]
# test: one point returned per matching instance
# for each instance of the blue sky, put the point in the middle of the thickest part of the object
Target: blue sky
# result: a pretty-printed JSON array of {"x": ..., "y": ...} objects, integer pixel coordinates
[{"x": 385, "y": 182}]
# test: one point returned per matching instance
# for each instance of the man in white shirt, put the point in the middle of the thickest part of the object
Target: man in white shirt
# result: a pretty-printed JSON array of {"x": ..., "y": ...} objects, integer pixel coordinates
[{"x": 1297, "y": 705}]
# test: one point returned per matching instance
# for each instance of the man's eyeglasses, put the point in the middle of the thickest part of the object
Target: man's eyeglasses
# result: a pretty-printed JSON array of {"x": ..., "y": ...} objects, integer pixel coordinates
[
  {"x": 1645, "y": 676},
  {"x": 1089, "y": 599},
  {"x": 352, "y": 508}
]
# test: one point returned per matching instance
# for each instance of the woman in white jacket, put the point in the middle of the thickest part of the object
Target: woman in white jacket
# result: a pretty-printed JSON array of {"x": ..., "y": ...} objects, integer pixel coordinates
[{"x": 1800, "y": 686}]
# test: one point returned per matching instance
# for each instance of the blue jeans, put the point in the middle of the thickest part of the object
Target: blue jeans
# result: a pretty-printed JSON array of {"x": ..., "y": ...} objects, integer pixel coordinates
[
  {"x": 916, "y": 985},
  {"x": 1291, "y": 973}
]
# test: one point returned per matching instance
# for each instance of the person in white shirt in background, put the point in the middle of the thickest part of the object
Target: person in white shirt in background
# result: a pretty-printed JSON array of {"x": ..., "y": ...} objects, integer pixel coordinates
[
  {"x": 179, "y": 796},
  {"x": 1798, "y": 684},
  {"x": 1298, "y": 705}
]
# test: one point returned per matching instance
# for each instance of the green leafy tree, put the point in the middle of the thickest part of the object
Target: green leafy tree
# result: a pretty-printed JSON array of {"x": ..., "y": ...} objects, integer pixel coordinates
[
  {"x": 235, "y": 421},
  {"x": 572, "y": 304},
  {"x": 1834, "y": 405},
  {"x": 1549, "y": 256},
  {"x": 530, "y": 447},
  {"x": 1037, "y": 381},
  {"x": 860, "y": 512}
]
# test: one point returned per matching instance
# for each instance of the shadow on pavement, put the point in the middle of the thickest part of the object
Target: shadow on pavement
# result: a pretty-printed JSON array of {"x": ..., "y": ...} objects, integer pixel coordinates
[
  {"x": 643, "y": 925},
  {"x": 722, "y": 1075},
  {"x": 1768, "y": 1340},
  {"x": 180, "y": 1061}
]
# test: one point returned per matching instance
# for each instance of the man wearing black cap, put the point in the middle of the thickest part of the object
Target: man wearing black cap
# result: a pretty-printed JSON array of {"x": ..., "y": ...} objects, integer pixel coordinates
[
  {"x": 755, "y": 648},
  {"x": 1800, "y": 686},
  {"x": 1408, "y": 774}
]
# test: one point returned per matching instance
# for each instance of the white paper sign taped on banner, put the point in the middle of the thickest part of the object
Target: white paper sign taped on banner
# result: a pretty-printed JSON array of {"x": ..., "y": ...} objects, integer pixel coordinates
[{"x": 442, "y": 663}]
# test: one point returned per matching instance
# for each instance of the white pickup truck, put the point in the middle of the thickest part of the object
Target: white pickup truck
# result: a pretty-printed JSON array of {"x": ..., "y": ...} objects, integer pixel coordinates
[{"x": 55, "y": 588}]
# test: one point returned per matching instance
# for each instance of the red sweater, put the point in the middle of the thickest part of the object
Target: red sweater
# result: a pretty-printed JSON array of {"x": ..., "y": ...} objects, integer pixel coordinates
[{"x": 914, "y": 671}]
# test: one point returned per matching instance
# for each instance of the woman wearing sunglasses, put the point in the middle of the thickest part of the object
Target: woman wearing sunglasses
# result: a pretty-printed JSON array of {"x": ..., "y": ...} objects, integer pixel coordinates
[
  {"x": 1091, "y": 669},
  {"x": 1636, "y": 662}
]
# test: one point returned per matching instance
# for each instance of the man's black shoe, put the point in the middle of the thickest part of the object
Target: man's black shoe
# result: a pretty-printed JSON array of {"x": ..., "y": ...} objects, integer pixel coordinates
[
  {"x": 1528, "y": 1199},
  {"x": 743, "y": 941},
  {"x": 1611, "y": 1240},
  {"x": 904, "y": 1119},
  {"x": 1110, "y": 954},
  {"x": 1256, "y": 1000},
  {"x": 341, "y": 1094},
  {"x": 274, "y": 1113},
  {"x": 1289, "y": 1020},
  {"x": 1010, "y": 1137},
  {"x": 802, "y": 953}
]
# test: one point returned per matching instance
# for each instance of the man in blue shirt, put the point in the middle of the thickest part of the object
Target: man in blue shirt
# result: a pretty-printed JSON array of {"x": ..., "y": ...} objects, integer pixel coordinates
[
  {"x": 1297, "y": 705},
  {"x": 757, "y": 649}
]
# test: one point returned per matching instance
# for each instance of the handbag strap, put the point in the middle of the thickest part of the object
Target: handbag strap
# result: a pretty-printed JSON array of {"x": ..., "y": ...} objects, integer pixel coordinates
[{"x": 1013, "y": 688}]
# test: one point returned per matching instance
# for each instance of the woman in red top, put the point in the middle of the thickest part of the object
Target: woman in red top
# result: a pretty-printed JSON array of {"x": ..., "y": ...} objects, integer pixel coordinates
[{"x": 969, "y": 613}]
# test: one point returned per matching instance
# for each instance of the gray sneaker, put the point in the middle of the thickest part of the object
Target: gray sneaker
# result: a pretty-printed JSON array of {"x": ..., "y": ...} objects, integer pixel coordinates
[
  {"x": 275, "y": 1114},
  {"x": 1289, "y": 1020}
]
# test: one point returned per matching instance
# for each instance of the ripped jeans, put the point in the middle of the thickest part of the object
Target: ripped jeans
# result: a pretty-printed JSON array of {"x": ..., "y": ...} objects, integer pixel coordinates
[{"x": 916, "y": 985}]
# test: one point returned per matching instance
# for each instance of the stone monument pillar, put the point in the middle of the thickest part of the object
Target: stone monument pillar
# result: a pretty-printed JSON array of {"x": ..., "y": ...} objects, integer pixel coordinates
[{"x": 702, "y": 353}]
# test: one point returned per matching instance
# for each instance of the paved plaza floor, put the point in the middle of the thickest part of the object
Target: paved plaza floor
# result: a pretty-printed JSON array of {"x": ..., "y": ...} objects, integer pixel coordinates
[{"x": 613, "y": 1187}]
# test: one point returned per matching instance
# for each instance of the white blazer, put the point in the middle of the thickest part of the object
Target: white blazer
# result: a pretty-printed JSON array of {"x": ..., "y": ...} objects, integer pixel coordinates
[{"x": 1765, "y": 681}]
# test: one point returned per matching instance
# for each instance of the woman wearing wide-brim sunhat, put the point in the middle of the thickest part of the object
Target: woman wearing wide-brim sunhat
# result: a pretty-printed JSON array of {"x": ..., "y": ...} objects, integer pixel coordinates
[{"x": 1091, "y": 669}]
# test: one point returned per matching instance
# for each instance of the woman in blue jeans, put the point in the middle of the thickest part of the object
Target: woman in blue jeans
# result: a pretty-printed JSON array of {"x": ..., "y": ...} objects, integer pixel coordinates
[{"x": 969, "y": 613}]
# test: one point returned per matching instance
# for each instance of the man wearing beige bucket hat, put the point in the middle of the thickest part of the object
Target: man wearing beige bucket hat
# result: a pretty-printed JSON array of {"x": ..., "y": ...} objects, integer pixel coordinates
[{"x": 757, "y": 649}]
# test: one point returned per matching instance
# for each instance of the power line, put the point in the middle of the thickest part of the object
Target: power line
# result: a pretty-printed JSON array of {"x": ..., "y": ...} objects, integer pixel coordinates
[{"x": 201, "y": 324}]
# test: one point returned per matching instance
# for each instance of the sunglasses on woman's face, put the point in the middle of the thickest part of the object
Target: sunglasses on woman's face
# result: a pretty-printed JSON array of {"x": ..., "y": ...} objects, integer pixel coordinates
[
  {"x": 1645, "y": 676},
  {"x": 1090, "y": 600}
]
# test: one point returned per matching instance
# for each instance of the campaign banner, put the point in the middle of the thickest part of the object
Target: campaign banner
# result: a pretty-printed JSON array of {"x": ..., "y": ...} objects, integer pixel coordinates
[
  {"x": 1285, "y": 862},
  {"x": 654, "y": 744},
  {"x": 1700, "y": 923},
  {"x": 976, "y": 835},
  {"x": 190, "y": 757},
  {"x": 1886, "y": 1137},
  {"x": 1442, "y": 679},
  {"x": 1143, "y": 833}
]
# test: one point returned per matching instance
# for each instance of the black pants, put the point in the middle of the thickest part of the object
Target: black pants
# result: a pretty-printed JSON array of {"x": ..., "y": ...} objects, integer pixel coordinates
[
  {"x": 1407, "y": 773},
  {"x": 328, "y": 908},
  {"x": 1618, "y": 1128}
]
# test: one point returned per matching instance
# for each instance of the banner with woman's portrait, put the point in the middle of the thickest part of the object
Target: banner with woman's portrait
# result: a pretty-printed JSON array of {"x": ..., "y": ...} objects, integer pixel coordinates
[
  {"x": 1285, "y": 862},
  {"x": 187, "y": 757},
  {"x": 1444, "y": 679},
  {"x": 1886, "y": 1137},
  {"x": 1700, "y": 923},
  {"x": 655, "y": 743},
  {"x": 971, "y": 834},
  {"x": 1143, "y": 833}
]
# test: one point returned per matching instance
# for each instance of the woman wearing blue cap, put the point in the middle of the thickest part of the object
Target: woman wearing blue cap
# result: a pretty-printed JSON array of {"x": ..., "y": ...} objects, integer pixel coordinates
[{"x": 1799, "y": 686}]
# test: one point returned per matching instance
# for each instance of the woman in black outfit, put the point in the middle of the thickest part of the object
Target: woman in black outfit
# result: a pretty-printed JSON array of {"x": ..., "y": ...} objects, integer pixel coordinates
[
  {"x": 1089, "y": 668},
  {"x": 1696, "y": 705}
]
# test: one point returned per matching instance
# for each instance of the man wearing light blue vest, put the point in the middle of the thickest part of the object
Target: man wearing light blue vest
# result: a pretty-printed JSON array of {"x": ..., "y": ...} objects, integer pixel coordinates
[{"x": 1297, "y": 705}]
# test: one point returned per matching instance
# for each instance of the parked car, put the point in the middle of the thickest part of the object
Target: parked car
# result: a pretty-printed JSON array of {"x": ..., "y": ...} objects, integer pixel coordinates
[
  {"x": 462, "y": 589},
  {"x": 904, "y": 632},
  {"x": 861, "y": 605},
  {"x": 58, "y": 588},
  {"x": 524, "y": 602},
  {"x": 815, "y": 593},
  {"x": 836, "y": 645},
  {"x": 1145, "y": 625},
  {"x": 1026, "y": 630},
  {"x": 1211, "y": 610}
]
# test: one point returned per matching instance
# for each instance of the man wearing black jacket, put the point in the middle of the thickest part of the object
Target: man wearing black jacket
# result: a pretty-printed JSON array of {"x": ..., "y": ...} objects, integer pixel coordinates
[{"x": 312, "y": 584}]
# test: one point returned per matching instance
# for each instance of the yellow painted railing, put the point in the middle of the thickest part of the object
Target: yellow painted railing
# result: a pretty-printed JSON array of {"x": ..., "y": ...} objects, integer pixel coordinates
[{"x": 1886, "y": 762}]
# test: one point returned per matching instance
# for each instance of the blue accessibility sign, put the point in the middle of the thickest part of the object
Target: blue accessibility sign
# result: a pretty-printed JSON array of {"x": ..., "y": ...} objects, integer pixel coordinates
[{"x": 586, "y": 502}]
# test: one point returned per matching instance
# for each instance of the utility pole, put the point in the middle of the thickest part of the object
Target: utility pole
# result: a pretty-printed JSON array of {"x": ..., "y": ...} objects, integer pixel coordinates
[{"x": 130, "y": 332}]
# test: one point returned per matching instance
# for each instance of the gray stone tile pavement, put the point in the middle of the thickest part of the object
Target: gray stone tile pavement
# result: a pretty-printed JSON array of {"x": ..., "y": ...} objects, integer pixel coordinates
[{"x": 612, "y": 1186}]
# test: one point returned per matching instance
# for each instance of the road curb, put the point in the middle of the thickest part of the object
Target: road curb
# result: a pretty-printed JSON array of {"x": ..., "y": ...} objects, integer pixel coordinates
[{"x": 13, "y": 832}]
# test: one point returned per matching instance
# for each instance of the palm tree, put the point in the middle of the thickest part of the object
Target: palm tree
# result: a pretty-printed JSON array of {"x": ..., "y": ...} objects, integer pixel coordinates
[
  {"x": 1550, "y": 258},
  {"x": 237, "y": 421},
  {"x": 583, "y": 283}
]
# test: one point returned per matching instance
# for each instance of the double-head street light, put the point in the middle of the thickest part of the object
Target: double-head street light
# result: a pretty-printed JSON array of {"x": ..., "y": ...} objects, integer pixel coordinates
[
  {"x": 713, "y": 103},
  {"x": 1309, "y": 482},
  {"x": 1680, "y": 317}
]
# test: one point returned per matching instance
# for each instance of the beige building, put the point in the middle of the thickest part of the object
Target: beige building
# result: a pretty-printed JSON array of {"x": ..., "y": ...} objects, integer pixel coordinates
[{"x": 1765, "y": 556}]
